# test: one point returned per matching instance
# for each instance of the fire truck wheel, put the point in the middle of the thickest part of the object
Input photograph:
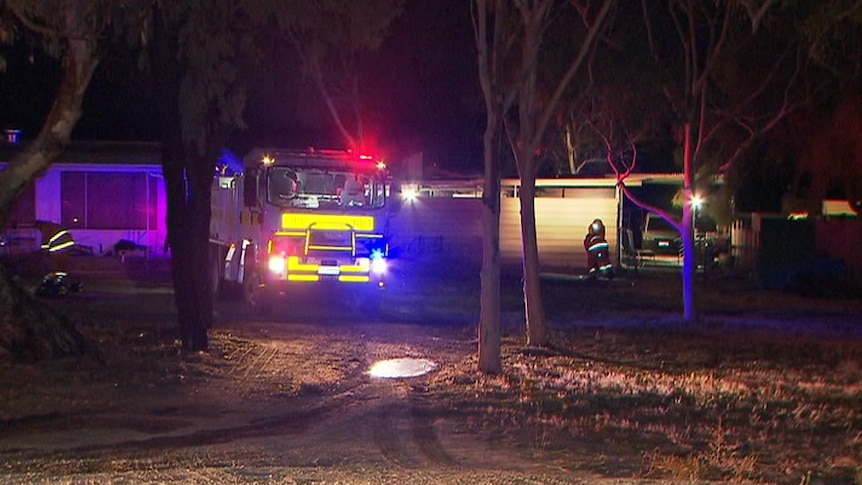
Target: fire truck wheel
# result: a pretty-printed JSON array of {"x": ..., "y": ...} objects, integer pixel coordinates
[
  {"x": 264, "y": 303},
  {"x": 370, "y": 302},
  {"x": 257, "y": 296},
  {"x": 217, "y": 286}
]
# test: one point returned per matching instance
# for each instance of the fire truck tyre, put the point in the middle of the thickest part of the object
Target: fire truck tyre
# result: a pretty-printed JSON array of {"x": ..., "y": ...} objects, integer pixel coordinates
[
  {"x": 229, "y": 290},
  {"x": 264, "y": 303},
  {"x": 217, "y": 288},
  {"x": 371, "y": 302},
  {"x": 257, "y": 297}
]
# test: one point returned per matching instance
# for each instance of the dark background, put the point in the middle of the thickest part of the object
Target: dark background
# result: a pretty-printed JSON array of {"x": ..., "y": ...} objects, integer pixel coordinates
[{"x": 421, "y": 91}]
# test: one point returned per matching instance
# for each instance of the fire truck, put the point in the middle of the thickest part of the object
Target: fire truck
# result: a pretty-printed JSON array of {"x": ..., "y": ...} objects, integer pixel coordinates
[{"x": 293, "y": 218}]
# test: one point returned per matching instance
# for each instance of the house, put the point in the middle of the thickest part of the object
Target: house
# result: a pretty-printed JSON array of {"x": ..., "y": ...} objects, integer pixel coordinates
[
  {"x": 445, "y": 219},
  {"x": 103, "y": 192},
  {"x": 107, "y": 192}
]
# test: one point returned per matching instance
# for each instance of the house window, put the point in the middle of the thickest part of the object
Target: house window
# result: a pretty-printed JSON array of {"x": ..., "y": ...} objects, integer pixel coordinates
[
  {"x": 109, "y": 200},
  {"x": 73, "y": 193}
]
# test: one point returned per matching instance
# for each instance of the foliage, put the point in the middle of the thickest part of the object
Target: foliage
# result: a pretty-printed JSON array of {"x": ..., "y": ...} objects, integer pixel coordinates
[
  {"x": 205, "y": 55},
  {"x": 728, "y": 75},
  {"x": 831, "y": 29},
  {"x": 331, "y": 37},
  {"x": 219, "y": 50},
  {"x": 74, "y": 31},
  {"x": 616, "y": 96},
  {"x": 537, "y": 101}
]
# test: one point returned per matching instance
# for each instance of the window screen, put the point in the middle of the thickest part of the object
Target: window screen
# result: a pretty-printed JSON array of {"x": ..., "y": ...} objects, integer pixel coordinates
[{"x": 105, "y": 200}]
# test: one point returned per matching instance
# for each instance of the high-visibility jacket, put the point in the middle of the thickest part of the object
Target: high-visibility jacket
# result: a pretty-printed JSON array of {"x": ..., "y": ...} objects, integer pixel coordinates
[{"x": 55, "y": 238}]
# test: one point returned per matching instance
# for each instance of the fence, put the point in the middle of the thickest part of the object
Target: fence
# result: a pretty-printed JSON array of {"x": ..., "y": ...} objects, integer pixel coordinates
[{"x": 744, "y": 242}]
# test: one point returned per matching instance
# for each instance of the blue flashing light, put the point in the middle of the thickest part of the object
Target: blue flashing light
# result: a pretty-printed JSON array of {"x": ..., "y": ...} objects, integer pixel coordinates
[{"x": 378, "y": 262}]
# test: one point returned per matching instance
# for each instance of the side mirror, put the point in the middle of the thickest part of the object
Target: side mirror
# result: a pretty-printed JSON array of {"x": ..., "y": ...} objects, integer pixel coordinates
[{"x": 249, "y": 188}]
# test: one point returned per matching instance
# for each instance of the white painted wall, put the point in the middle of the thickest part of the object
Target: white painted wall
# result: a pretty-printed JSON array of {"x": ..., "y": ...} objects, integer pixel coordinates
[
  {"x": 451, "y": 227},
  {"x": 561, "y": 224},
  {"x": 49, "y": 205}
]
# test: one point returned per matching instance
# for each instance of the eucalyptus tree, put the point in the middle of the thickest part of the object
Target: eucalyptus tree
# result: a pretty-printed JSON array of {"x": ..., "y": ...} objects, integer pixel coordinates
[
  {"x": 519, "y": 107},
  {"x": 536, "y": 105},
  {"x": 727, "y": 73},
  {"x": 831, "y": 159},
  {"x": 204, "y": 55},
  {"x": 201, "y": 55},
  {"x": 76, "y": 33},
  {"x": 333, "y": 38},
  {"x": 495, "y": 34},
  {"x": 200, "y": 52}
]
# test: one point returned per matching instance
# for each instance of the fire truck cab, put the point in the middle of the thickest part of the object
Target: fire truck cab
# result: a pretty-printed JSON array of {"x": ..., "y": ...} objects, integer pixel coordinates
[{"x": 301, "y": 217}]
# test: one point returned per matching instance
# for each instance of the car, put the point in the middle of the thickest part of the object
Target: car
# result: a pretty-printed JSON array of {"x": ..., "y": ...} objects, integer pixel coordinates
[{"x": 660, "y": 237}]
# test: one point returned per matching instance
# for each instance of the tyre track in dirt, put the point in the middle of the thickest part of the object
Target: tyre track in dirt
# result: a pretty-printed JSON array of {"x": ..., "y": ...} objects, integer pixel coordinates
[
  {"x": 381, "y": 406},
  {"x": 405, "y": 435},
  {"x": 358, "y": 430}
]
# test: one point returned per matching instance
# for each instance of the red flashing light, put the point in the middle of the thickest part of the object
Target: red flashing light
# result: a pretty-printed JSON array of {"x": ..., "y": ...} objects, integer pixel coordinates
[{"x": 379, "y": 164}]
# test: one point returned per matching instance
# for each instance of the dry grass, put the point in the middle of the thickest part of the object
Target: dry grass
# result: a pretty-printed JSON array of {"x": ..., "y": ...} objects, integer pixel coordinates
[
  {"x": 766, "y": 388},
  {"x": 712, "y": 404},
  {"x": 627, "y": 390}
]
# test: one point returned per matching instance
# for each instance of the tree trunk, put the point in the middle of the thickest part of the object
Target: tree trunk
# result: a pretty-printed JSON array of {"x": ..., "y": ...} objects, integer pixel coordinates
[
  {"x": 29, "y": 330},
  {"x": 490, "y": 49},
  {"x": 188, "y": 180},
  {"x": 537, "y": 328},
  {"x": 188, "y": 236},
  {"x": 490, "y": 335},
  {"x": 80, "y": 62},
  {"x": 689, "y": 262},
  {"x": 527, "y": 141}
]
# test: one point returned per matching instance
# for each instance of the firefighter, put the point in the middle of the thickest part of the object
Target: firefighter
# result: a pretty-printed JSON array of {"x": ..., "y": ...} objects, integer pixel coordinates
[
  {"x": 354, "y": 192},
  {"x": 56, "y": 242},
  {"x": 597, "y": 248}
]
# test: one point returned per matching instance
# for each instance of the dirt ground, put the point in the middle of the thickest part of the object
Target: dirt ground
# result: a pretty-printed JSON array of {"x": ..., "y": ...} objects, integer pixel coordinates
[{"x": 766, "y": 389}]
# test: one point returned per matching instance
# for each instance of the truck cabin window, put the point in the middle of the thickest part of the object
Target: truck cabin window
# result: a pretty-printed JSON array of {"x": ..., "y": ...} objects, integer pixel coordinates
[
  {"x": 314, "y": 188},
  {"x": 282, "y": 184}
]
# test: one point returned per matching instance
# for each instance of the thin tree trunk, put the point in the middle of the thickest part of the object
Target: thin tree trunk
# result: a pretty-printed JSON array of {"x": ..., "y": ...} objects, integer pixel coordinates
[
  {"x": 688, "y": 260},
  {"x": 537, "y": 329},
  {"x": 490, "y": 335},
  {"x": 28, "y": 329},
  {"x": 80, "y": 63},
  {"x": 490, "y": 46}
]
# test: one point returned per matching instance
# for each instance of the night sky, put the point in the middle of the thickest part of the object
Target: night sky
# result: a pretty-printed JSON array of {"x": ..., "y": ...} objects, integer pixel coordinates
[{"x": 421, "y": 94}]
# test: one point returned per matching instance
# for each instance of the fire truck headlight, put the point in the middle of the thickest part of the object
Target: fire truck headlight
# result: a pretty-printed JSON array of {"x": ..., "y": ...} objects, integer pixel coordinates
[
  {"x": 277, "y": 263},
  {"x": 378, "y": 262},
  {"x": 378, "y": 266}
]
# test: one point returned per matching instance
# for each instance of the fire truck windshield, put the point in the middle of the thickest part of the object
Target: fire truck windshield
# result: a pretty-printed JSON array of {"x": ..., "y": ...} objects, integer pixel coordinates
[{"x": 316, "y": 188}]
